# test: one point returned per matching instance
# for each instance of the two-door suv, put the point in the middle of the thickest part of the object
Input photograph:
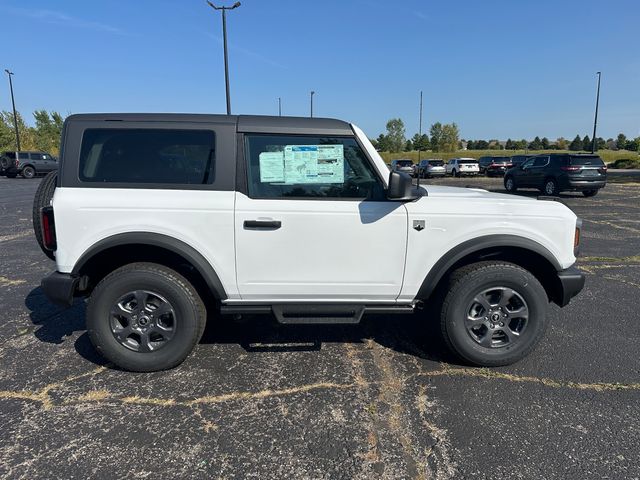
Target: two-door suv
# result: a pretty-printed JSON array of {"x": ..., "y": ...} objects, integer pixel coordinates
[{"x": 164, "y": 220}]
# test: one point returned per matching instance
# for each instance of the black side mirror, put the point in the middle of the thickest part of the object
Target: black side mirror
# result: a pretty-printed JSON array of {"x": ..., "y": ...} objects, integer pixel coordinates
[{"x": 401, "y": 187}]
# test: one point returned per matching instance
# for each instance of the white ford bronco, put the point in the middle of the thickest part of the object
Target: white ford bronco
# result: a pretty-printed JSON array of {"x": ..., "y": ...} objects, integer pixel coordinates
[{"x": 164, "y": 220}]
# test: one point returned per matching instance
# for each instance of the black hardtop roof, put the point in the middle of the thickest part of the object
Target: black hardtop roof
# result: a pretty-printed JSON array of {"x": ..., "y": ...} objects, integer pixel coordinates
[{"x": 245, "y": 123}]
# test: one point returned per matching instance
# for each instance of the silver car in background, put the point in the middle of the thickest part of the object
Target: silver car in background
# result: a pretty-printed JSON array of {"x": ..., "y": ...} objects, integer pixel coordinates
[
  {"x": 403, "y": 165},
  {"x": 431, "y": 167}
]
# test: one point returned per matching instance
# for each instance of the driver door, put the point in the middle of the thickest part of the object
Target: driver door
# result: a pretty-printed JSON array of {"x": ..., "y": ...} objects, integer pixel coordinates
[{"x": 313, "y": 223}]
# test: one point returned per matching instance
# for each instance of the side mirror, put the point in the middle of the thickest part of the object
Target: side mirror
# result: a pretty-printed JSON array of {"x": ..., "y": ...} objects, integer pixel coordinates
[{"x": 401, "y": 187}]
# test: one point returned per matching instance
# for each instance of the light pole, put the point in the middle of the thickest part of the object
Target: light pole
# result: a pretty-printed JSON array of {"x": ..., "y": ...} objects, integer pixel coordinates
[
  {"x": 312, "y": 93},
  {"x": 279, "y": 107},
  {"x": 595, "y": 120},
  {"x": 420, "y": 128},
  {"x": 224, "y": 40},
  {"x": 13, "y": 104}
]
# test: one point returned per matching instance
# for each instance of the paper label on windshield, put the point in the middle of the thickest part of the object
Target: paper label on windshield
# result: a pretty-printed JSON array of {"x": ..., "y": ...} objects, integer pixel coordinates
[
  {"x": 271, "y": 167},
  {"x": 313, "y": 164}
]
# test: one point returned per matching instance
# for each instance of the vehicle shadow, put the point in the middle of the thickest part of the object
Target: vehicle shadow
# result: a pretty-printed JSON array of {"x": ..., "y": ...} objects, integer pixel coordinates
[
  {"x": 415, "y": 334},
  {"x": 58, "y": 323}
]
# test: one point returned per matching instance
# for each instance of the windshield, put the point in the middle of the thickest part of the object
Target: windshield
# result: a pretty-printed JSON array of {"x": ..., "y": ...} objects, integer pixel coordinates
[
  {"x": 467, "y": 160},
  {"x": 587, "y": 160},
  {"x": 436, "y": 163},
  {"x": 501, "y": 160}
]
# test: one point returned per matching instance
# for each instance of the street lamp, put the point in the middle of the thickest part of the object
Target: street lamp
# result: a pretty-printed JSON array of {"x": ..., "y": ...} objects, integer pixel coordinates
[
  {"x": 279, "y": 107},
  {"x": 312, "y": 93},
  {"x": 595, "y": 120},
  {"x": 224, "y": 37},
  {"x": 15, "y": 114}
]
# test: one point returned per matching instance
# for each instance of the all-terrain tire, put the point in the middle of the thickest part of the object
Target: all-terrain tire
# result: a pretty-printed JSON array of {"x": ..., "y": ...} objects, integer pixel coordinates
[
  {"x": 29, "y": 172},
  {"x": 42, "y": 198},
  {"x": 468, "y": 283},
  {"x": 188, "y": 317}
]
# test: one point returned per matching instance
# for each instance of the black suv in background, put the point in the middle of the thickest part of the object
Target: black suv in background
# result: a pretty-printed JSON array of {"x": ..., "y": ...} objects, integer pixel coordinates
[
  {"x": 556, "y": 172},
  {"x": 517, "y": 160},
  {"x": 28, "y": 164},
  {"x": 494, "y": 166}
]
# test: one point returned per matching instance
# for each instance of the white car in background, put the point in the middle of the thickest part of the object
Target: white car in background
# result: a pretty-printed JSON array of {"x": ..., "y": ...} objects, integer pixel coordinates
[{"x": 462, "y": 166}]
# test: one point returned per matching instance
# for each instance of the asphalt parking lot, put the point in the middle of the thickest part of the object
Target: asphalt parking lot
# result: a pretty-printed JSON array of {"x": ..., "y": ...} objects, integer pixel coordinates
[{"x": 376, "y": 400}]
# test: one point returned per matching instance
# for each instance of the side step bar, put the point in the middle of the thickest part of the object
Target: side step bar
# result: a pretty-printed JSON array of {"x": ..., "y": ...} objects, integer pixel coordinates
[{"x": 315, "y": 314}]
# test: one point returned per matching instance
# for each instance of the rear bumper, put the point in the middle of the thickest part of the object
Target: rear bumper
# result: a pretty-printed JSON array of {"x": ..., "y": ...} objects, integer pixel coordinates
[
  {"x": 571, "y": 283},
  {"x": 586, "y": 184},
  {"x": 60, "y": 287}
]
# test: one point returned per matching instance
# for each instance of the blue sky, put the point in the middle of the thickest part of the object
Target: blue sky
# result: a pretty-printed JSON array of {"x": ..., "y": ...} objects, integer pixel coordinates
[{"x": 499, "y": 68}]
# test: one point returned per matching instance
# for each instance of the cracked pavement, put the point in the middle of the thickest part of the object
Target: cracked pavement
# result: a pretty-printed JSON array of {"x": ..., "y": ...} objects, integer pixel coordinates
[{"x": 376, "y": 400}]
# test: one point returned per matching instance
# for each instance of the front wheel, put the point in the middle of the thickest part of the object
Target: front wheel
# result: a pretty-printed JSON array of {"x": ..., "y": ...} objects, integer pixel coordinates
[
  {"x": 493, "y": 314},
  {"x": 590, "y": 193},
  {"x": 145, "y": 317},
  {"x": 510, "y": 185}
]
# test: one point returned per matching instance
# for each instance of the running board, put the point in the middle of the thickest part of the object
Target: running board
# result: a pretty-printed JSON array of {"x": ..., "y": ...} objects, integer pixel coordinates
[{"x": 314, "y": 314}]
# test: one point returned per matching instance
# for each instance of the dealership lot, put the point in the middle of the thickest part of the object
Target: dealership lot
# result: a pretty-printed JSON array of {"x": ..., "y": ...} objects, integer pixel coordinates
[{"x": 376, "y": 400}]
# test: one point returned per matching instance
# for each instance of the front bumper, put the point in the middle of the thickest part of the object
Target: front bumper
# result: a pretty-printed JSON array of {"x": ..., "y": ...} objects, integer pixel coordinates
[
  {"x": 571, "y": 283},
  {"x": 60, "y": 287}
]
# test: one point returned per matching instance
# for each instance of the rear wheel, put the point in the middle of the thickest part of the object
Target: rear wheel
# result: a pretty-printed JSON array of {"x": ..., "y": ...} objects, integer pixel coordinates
[
  {"x": 28, "y": 172},
  {"x": 43, "y": 197},
  {"x": 510, "y": 184},
  {"x": 590, "y": 193},
  {"x": 550, "y": 187},
  {"x": 145, "y": 317},
  {"x": 494, "y": 313}
]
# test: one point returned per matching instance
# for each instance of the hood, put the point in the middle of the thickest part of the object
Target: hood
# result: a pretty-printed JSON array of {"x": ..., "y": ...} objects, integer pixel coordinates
[{"x": 440, "y": 191}]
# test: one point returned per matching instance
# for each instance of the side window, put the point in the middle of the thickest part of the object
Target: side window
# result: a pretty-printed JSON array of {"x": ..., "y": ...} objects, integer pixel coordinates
[
  {"x": 540, "y": 161},
  {"x": 36, "y": 156},
  {"x": 23, "y": 156},
  {"x": 528, "y": 163},
  {"x": 131, "y": 155},
  {"x": 282, "y": 166}
]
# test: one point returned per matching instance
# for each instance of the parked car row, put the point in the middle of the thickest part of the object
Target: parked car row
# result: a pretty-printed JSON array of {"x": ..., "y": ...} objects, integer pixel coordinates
[
  {"x": 27, "y": 164},
  {"x": 550, "y": 173}
]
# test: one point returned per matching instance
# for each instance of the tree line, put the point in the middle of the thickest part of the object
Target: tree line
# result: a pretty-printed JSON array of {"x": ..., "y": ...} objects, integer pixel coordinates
[
  {"x": 441, "y": 138},
  {"x": 445, "y": 138},
  {"x": 45, "y": 135}
]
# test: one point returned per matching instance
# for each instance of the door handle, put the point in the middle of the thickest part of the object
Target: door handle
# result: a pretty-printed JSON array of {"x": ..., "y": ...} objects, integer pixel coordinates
[{"x": 263, "y": 224}]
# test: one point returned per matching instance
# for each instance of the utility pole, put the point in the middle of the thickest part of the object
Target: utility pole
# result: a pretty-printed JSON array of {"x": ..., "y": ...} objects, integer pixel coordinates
[
  {"x": 595, "y": 120},
  {"x": 419, "y": 142},
  {"x": 224, "y": 40},
  {"x": 312, "y": 93},
  {"x": 279, "y": 107},
  {"x": 15, "y": 114}
]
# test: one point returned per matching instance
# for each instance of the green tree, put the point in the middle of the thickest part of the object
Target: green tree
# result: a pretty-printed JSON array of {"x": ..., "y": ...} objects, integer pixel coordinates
[
  {"x": 481, "y": 145},
  {"x": 395, "y": 135},
  {"x": 621, "y": 142},
  {"x": 382, "y": 143},
  {"x": 536, "y": 144},
  {"x": 408, "y": 146},
  {"x": 48, "y": 130},
  {"x": 27, "y": 134},
  {"x": 450, "y": 137},
  {"x": 586, "y": 143},
  {"x": 600, "y": 144},
  {"x": 471, "y": 145},
  {"x": 436, "y": 137},
  {"x": 633, "y": 145},
  {"x": 576, "y": 144},
  {"x": 421, "y": 142},
  {"x": 545, "y": 143},
  {"x": 561, "y": 143}
]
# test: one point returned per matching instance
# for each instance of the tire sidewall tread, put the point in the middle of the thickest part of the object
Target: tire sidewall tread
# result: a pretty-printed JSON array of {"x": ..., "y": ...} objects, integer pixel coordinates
[
  {"x": 189, "y": 308},
  {"x": 466, "y": 280}
]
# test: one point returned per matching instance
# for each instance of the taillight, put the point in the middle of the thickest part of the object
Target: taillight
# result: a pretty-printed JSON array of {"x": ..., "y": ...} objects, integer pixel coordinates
[
  {"x": 48, "y": 228},
  {"x": 509, "y": 165},
  {"x": 571, "y": 168},
  {"x": 17, "y": 162},
  {"x": 603, "y": 169},
  {"x": 576, "y": 237}
]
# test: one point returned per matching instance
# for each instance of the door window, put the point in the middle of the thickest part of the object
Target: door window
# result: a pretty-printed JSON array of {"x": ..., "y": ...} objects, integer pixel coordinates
[
  {"x": 540, "y": 161},
  {"x": 282, "y": 166}
]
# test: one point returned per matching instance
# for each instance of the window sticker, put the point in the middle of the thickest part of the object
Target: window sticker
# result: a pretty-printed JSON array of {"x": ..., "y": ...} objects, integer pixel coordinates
[
  {"x": 271, "y": 167},
  {"x": 313, "y": 164}
]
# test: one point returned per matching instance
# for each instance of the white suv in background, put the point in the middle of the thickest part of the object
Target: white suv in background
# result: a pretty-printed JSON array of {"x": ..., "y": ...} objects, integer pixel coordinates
[
  {"x": 165, "y": 221},
  {"x": 462, "y": 166}
]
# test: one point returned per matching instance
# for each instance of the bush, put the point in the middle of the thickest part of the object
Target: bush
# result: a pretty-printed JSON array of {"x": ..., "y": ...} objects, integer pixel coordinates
[{"x": 626, "y": 163}]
